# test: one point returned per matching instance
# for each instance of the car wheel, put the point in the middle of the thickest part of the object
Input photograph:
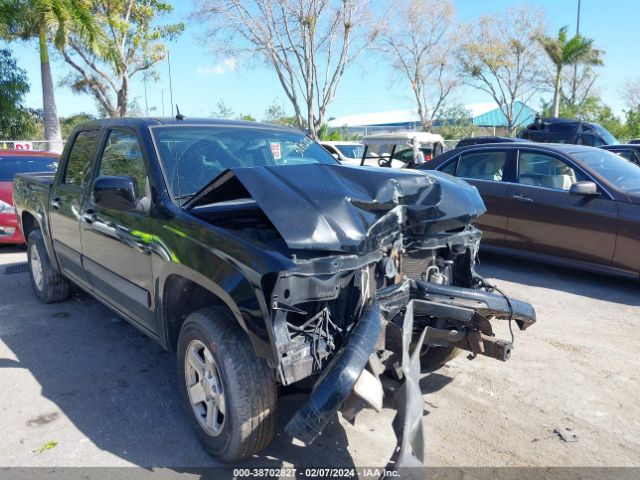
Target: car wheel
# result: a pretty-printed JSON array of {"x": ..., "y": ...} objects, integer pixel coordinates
[
  {"x": 48, "y": 284},
  {"x": 229, "y": 392}
]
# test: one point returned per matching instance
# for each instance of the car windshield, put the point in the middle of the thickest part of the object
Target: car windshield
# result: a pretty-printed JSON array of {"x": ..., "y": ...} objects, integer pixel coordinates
[
  {"x": 10, "y": 165},
  {"x": 192, "y": 156},
  {"x": 354, "y": 150},
  {"x": 606, "y": 136},
  {"x": 618, "y": 171}
]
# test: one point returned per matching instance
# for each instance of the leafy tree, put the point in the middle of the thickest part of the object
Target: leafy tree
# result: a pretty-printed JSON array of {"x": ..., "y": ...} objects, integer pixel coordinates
[
  {"x": 69, "y": 123},
  {"x": 132, "y": 42},
  {"x": 308, "y": 43},
  {"x": 562, "y": 52},
  {"x": 16, "y": 121},
  {"x": 422, "y": 52},
  {"x": 591, "y": 110},
  {"x": 633, "y": 123},
  {"x": 336, "y": 134},
  {"x": 47, "y": 21},
  {"x": 455, "y": 122},
  {"x": 246, "y": 118},
  {"x": 275, "y": 114},
  {"x": 499, "y": 56}
]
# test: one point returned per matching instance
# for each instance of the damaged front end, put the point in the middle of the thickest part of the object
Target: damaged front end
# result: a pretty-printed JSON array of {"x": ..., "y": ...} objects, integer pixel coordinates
[{"x": 382, "y": 279}]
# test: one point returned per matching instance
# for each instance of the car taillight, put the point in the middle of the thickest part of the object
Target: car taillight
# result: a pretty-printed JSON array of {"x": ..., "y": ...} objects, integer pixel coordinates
[{"x": 6, "y": 208}]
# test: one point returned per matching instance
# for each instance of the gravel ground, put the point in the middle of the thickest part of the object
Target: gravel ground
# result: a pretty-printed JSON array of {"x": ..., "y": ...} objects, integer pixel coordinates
[{"x": 74, "y": 374}]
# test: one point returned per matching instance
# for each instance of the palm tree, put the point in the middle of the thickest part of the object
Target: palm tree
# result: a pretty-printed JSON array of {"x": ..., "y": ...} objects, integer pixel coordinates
[
  {"x": 564, "y": 52},
  {"x": 49, "y": 21}
]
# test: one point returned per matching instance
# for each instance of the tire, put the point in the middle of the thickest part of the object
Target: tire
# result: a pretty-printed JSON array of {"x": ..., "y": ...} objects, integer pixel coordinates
[
  {"x": 436, "y": 357},
  {"x": 241, "y": 382},
  {"x": 48, "y": 284}
]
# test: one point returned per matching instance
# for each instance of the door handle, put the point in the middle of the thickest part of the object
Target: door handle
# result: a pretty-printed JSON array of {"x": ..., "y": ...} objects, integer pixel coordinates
[
  {"x": 522, "y": 198},
  {"x": 55, "y": 203},
  {"x": 89, "y": 216}
]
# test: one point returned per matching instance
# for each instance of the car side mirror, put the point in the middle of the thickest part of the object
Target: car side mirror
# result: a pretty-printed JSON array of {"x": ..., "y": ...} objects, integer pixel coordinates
[
  {"x": 584, "y": 188},
  {"x": 336, "y": 156},
  {"x": 115, "y": 193}
]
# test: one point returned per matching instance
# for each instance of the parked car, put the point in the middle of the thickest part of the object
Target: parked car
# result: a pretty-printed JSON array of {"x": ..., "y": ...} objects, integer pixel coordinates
[
  {"x": 565, "y": 204},
  {"x": 345, "y": 152},
  {"x": 629, "y": 151},
  {"x": 248, "y": 250},
  {"x": 12, "y": 162},
  {"x": 465, "y": 142},
  {"x": 396, "y": 149},
  {"x": 567, "y": 130}
]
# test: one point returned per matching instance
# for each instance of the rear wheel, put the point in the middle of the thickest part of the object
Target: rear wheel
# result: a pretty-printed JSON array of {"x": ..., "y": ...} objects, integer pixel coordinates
[
  {"x": 229, "y": 392},
  {"x": 48, "y": 284}
]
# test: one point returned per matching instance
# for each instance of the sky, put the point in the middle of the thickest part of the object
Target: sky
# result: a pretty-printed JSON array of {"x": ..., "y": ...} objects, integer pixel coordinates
[{"x": 201, "y": 79}]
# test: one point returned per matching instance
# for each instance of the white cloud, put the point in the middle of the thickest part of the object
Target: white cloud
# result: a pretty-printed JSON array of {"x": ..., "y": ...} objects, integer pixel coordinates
[{"x": 225, "y": 66}]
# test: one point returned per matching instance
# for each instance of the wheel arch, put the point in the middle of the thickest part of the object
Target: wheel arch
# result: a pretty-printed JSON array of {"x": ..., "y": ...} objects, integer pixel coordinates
[{"x": 183, "y": 292}]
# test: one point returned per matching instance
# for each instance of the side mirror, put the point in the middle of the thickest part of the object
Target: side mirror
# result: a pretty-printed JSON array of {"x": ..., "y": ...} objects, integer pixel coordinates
[
  {"x": 583, "y": 188},
  {"x": 115, "y": 193},
  {"x": 336, "y": 156}
]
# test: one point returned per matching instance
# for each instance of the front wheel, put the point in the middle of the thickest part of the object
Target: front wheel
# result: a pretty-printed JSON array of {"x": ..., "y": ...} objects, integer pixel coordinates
[
  {"x": 48, "y": 284},
  {"x": 229, "y": 392},
  {"x": 432, "y": 358}
]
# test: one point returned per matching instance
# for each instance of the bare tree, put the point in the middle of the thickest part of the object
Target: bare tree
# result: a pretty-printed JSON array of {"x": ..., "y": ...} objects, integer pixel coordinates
[
  {"x": 422, "y": 52},
  {"x": 500, "y": 56},
  {"x": 630, "y": 93},
  {"x": 308, "y": 43}
]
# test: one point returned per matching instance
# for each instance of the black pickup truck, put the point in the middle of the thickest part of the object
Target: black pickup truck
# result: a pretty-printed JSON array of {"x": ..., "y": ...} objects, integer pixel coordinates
[{"x": 248, "y": 250}]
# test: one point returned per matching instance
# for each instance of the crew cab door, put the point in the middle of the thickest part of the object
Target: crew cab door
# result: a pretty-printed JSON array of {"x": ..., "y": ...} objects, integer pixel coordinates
[
  {"x": 66, "y": 199},
  {"x": 117, "y": 243},
  {"x": 544, "y": 218}
]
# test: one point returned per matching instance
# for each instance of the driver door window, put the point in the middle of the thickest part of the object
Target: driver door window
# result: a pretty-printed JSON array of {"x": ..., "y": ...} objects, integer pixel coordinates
[
  {"x": 542, "y": 170},
  {"x": 122, "y": 156}
]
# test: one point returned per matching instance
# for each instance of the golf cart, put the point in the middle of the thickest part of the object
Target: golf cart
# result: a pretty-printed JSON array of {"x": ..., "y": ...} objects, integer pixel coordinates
[{"x": 400, "y": 149}]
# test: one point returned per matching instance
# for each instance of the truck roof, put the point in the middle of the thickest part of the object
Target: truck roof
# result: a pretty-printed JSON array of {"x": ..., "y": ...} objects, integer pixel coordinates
[{"x": 170, "y": 121}]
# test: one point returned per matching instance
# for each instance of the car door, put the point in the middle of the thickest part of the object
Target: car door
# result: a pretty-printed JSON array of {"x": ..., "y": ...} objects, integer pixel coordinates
[
  {"x": 545, "y": 218},
  {"x": 116, "y": 243},
  {"x": 66, "y": 199},
  {"x": 487, "y": 170}
]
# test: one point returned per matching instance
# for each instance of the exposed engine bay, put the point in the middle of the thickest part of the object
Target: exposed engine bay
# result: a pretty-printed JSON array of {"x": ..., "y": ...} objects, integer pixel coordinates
[{"x": 381, "y": 279}]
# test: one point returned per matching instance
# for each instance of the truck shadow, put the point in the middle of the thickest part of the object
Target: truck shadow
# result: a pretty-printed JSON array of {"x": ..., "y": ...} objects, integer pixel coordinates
[
  {"x": 118, "y": 388},
  {"x": 592, "y": 285}
]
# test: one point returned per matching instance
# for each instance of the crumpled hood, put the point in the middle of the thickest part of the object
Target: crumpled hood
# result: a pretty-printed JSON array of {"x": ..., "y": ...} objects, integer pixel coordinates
[{"x": 339, "y": 208}]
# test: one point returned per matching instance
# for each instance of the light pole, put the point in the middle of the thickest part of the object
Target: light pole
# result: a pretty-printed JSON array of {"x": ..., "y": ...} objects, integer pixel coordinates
[{"x": 574, "y": 86}]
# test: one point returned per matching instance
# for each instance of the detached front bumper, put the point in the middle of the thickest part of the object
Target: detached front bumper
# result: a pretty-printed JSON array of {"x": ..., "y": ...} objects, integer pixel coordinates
[{"x": 392, "y": 313}]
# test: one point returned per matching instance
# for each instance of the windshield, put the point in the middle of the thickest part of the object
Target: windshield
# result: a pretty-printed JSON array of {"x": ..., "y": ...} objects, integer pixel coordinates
[
  {"x": 606, "y": 136},
  {"x": 192, "y": 156},
  {"x": 9, "y": 166},
  {"x": 354, "y": 150},
  {"x": 615, "y": 169}
]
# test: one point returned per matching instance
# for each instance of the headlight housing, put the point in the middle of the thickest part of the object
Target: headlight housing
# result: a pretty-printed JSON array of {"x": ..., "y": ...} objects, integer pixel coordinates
[{"x": 6, "y": 208}]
